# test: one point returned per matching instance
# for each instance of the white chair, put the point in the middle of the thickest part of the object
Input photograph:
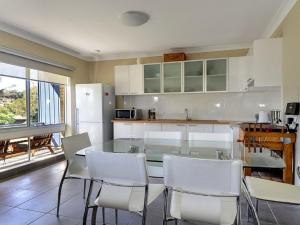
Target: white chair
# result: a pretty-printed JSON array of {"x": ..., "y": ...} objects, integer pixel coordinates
[
  {"x": 163, "y": 135},
  {"x": 273, "y": 191},
  {"x": 125, "y": 183},
  {"x": 76, "y": 167},
  {"x": 203, "y": 190},
  {"x": 225, "y": 137},
  {"x": 154, "y": 140}
]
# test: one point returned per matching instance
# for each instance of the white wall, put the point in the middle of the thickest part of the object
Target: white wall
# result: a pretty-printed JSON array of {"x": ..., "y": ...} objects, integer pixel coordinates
[{"x": 221, "y": 106}]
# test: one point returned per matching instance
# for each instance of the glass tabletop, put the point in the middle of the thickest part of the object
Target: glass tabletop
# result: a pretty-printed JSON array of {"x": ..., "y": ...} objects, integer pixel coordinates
[{"x": 156, "y": 148}]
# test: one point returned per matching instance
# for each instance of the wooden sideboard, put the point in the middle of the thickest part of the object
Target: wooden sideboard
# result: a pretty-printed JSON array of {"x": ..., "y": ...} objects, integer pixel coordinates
[{"x": 275, "y": 138}]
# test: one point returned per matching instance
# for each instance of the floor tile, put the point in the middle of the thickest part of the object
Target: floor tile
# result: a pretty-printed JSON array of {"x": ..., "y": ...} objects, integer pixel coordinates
[
  {"x": 49, "y": 219},
  {"x": 17, "y": 216}
]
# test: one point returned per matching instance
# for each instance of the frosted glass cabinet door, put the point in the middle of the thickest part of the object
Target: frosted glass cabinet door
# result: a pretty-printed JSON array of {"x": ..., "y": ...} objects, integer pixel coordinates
[
  {"x": 172, "y": 77},
  {"x": 216, "y": 75},
  {"x": 193, "y": 76},
  {"x": 152, "y": 78}
]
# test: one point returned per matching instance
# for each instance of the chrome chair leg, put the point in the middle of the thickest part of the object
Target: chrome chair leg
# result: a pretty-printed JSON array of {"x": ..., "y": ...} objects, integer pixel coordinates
[
  {"x": 165, "y": 206},
  {"x": 145, "y": 205},
  {"x": 87, "y": 202},
  {"x": 84, "y": 188},
  {"x": 103, "y": 216},
  {"x": 60, "y": 188},
  {"x": 176, "y": 221},
  {"x": 116, "y": 215},
  {"x": 94, "y": 215}
]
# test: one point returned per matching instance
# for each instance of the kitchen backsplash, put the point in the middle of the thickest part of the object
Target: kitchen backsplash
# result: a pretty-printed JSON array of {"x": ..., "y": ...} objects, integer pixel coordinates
[{"x": 214, "y": 106}]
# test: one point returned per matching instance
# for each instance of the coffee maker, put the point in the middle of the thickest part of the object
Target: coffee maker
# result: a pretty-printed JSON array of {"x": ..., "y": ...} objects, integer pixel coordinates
[{"x": 291, "y": 116}]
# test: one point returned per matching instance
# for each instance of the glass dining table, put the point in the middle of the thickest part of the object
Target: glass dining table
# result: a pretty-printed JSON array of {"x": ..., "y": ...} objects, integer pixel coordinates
[{"x": 154, "y": 149}]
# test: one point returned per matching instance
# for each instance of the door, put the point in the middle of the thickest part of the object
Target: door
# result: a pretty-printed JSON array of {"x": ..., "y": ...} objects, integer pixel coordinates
[
  {"x": 108, "y": 97},
  {"x": 89, "y": 103},
  {"x": 122, "y": 80},
  {"x": 240, "y": 70},
  {"x": 172, "y": 77},
  {"x": 193, "y": 76},
  {"x": 122, "y": 130},
  {"x": 152, "y": 78},
  {"x": 136, "y": 79},
  {"x": 216, "y": 75},
  {"x": 175, "y": 127},
  {"x": 95, "y": 131},
  {"x": 138, "y": 130}
]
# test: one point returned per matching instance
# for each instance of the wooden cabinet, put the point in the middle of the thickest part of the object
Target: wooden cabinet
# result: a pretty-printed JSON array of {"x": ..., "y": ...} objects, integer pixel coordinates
[
  {"x": 216, "y": 75},
  {"x": 267, "y": 62},
  {"x": 152, "y": 78},
  {"x": 193, "y": 76},
  {"x": 172, "y": 77},
  {"x": 175, "y": 127},
  {"x": 128, "y": 80},
  {"x": 240, "y": 70}
]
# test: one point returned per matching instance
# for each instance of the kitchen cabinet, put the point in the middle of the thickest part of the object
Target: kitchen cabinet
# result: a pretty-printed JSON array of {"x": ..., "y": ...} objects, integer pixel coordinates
[
  {"x": 222, "y": 128},
  {"x": 216, "y": 75},
  {"x": 175, "y": 127},
  {"x": 122, "y": 130},
  {"x": 201, "y": 128},
  {"x": 138, "y": 130},
  {"x": 267, "y": 62},
  {"x": 129, "y": 80},
  {"x": 240, "y": 71},
  {"x": 152, "y": 127},
  {"x": 193, "y": 72},
  {"x": 172, "y": 77},
  {"x": 136, "y": 79},
  {"x": 121, "y": 80},
  {"x": 152, "y": 78}
]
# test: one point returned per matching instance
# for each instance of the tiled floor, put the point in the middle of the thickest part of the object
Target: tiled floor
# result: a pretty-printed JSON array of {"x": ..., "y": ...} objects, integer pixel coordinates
[{"x": 31, "y": 199}]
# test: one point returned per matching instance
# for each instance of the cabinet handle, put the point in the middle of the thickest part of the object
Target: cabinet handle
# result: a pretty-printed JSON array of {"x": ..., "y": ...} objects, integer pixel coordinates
[
  {"x": 180, "y": 125},
  {"x": 192, "y": 125}
]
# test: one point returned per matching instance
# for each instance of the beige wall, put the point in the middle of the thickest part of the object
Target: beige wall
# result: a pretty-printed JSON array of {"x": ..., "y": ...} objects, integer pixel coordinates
[
  {"x": 291, "y": 55},
  {"x": 79, "y": 75}
]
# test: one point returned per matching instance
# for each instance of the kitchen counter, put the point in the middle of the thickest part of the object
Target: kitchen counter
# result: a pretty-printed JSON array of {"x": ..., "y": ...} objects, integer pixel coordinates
[{"x": 178, "y": 121}]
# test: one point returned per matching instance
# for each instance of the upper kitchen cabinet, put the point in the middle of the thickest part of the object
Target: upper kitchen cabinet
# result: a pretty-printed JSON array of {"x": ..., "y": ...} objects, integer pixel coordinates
[
  {"x": 121, "y": 80},
  {"x": 216, "y": 75},
  {"x": 240, "y": 71},
  {"x": 128, "y": 80},
  {"x": 152, "y": 78},
  {"x": 193, "y": 76},
  {"x": 172, "y": 77},
  {"x": 267, "y": 62}
]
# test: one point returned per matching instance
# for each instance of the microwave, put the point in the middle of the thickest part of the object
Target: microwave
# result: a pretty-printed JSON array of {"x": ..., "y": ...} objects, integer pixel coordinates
[{"x": 129, "y": 114}]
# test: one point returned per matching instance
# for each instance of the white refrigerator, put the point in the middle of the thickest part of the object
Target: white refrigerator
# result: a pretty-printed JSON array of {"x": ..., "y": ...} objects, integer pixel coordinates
[{"x": 95, "y": 104}]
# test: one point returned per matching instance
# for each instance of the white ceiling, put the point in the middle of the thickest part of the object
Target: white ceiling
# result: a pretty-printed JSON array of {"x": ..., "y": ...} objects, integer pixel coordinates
[{"x": 80, "y": 27}]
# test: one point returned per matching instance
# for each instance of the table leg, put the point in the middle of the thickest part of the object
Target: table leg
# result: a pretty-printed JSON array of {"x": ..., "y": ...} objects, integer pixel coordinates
[{"x": 288, "y": 158}]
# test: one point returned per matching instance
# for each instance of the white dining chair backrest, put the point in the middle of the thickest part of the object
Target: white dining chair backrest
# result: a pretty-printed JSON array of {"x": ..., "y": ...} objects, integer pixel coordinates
[
  {"x": 163, "y": 135},
  {"x": 203, "y": 176},
  {"x": 118, "y": 168},
  {"x": 225, "y": 137},
  {"x": 74, "y": 143}
]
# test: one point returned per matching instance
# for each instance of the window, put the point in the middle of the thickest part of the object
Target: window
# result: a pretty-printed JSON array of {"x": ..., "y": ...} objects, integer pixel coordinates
[
  {"x": 30, "y": 98},
  {"x": 12, "y": 101}
]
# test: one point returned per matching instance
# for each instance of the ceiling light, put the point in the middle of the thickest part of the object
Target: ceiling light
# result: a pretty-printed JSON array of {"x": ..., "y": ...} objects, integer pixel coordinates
[{"x": 134, "y": 18}]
